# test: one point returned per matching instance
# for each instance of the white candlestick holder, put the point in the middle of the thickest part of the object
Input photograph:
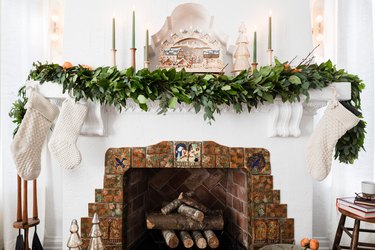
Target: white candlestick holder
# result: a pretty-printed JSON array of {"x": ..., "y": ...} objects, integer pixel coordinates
[{"x": 270, "y": 56}]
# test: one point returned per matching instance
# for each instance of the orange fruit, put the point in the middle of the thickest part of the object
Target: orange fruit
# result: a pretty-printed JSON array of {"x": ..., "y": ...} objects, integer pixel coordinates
[
  {"x": 314, "y": 244},
  {"x": 86, "y": 66},
  {"x": 286, "y": 66},
  {"x": 67, "y": 65},
  {"x": 305, "y": 242},
  {"x": 296, "y": 70}
]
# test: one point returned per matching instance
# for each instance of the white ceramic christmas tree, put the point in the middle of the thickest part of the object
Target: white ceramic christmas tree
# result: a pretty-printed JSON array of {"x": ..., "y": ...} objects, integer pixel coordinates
[
  {"x": 74, "y": 242},
  {"x": 241, "y": 54},
  {"x": 95, "y": 235}
]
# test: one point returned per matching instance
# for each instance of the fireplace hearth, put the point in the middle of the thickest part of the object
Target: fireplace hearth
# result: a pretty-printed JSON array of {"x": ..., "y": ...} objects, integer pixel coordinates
[{"x": 235, "y": 180}]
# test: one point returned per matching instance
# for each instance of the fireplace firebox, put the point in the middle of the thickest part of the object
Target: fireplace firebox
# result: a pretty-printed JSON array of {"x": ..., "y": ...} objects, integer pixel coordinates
[{"x": 236, "y": 180}]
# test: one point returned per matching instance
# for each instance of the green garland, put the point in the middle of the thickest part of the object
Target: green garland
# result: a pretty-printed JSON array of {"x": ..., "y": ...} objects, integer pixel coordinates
[{"x": 110, "y": 86}]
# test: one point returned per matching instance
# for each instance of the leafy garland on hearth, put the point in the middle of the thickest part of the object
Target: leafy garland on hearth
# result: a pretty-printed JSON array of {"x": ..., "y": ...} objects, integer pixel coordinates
[{"x": 110, "y": 86}]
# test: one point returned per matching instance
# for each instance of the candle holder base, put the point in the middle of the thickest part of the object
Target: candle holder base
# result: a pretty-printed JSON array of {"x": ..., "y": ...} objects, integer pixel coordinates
[
  {"x": 270, "y": 56},
  {"x": 254, "y": 66},
  {"x": 146, "y": 64},
  {"x": 132, "y": 58},
  {"x": 114, "y": 57}
]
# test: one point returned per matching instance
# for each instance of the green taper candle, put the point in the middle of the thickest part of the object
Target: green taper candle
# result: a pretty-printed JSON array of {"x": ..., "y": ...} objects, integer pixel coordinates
[
  {"x": 146, "y": 49},
  {"x": 113, "y": 33},
  {"x": 133, "y": 30},
  {"x": 270, "y": 31},
  {"x": 255, "y": 47}
]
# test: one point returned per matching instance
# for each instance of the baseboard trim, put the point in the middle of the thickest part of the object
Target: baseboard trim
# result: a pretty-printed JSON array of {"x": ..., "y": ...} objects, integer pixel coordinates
[
  {"x": 323, "y": 243},
  {"x": 52, "y": 243}
]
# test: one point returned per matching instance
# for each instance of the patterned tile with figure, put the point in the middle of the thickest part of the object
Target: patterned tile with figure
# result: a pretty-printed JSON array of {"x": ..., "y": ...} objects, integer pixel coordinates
[
  {"x": 258, "y": 160},
  {"x": 117, "y": 160},
  {"x": 187, "y": 154},
  {"x": 194, "y": 153}
]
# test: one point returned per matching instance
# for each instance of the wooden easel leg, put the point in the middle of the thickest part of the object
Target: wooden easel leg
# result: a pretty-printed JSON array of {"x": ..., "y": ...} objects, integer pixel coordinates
[
  {"x": 35, "y": 201},
  {"x": 25, "y": 215},
  {"x": 19, "y": 198},
  {"x": 26, "y": 239},
  {"x": 339, "y": 231},
  {"x": 24, "y": 205},
  {"x": 354, "y": 242}
]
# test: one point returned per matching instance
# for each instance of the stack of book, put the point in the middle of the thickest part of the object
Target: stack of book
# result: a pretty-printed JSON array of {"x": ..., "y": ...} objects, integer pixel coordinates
[{"x": 361, "y": 207}]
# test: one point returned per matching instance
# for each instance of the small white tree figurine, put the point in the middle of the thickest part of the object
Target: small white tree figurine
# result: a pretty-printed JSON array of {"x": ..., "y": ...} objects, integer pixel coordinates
[
  {"x": 74, "y": 242},
  {"x": 95, "y": 235},
  {"x": 241, "y": 54}
]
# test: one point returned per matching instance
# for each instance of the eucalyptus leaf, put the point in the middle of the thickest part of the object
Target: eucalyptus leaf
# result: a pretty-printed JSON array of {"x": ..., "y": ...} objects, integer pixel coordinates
[
  {"x": 226, "y": 87},
  {"x": 173, "y": 102},
  {"x": 294, "y": 79},
  {"x": 142, "y": 99}
]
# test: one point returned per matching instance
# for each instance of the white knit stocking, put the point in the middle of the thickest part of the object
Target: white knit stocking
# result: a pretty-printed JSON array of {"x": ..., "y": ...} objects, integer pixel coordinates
[
  {"x": 64, "y": 137},
  {"x": 333, "y": 125},
  {"x": 27, "y": 144}
]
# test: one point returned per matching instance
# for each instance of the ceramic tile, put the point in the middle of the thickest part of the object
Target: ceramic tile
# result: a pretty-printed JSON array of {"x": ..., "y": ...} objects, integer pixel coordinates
[
  {"x": 273, "y": 231},
  {"x": 287, "y": 229},
  {"x": 208, "y": 161},
  {"x": 187, "y": 154},
  {"x": 113, "y": 181},
  {"x": 166, "y": 161},
  {"x": 276, "y": 196},
  {"x": 276, "y": 210},
  {"x": 85, "y": 227},
  {"x": 222, "y": 161},
  {"x": 237, "y": 157},
  {"x": 260, "y": 231},
  {"x": 152, "y": 161},
  {"x": 258, "y": 160},
  {"x": 139, "y": 157},
  {"x": 262, "y": 182},
  {"x": 259, "y": 210},
  {"x": 209, "y": 147},
  {"x": 99, "y": 195},
  {"x": 259, "y": 196},
  {"x": 110, "y": 195},
  {"x": 100, "y": 208},
  {"x": 117, "y": 160},
  {"x": 164, "y": 147}
]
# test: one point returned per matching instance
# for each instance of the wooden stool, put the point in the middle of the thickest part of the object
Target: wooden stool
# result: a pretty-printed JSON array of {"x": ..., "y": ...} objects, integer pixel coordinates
[{"x": 354, "y": 244}]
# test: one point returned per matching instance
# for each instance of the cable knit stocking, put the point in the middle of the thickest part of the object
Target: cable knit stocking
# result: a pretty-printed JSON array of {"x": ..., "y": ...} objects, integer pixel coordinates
[
  {"x": 63, "y": 141},
  {"x": 26, "y": 147},
  {"x": 333, "y": 125}
]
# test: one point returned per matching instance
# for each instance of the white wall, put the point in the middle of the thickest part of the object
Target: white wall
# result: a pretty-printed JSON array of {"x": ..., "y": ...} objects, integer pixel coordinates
[
  {"x": 351, "y": 38},
  {"x": 87, "y": 35},
  {"x": 87, "y": 39},
  {"x": 22, "y": 42}
]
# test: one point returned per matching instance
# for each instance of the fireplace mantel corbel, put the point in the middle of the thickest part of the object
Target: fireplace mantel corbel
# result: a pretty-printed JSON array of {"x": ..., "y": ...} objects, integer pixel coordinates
[{"x": 284, "y": 118}]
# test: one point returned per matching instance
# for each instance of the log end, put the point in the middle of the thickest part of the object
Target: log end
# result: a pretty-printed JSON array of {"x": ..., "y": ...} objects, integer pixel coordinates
[
  {"x": 188, "y": 243},
  {"x": 201, "y": 243},
  {"x": 213, "y": 243},
  {"x": 199, "y": 216},
  {"x": 150, "y": 225},
  {"x": 173, "y": 242}
]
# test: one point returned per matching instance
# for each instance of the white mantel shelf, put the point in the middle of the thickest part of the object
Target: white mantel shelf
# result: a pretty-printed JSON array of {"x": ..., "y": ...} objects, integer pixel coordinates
[{"x": 284, "y": 118}]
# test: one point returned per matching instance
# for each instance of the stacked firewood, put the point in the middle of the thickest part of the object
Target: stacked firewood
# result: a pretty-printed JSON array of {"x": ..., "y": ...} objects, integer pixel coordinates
[{"x": 194, "y": 221}]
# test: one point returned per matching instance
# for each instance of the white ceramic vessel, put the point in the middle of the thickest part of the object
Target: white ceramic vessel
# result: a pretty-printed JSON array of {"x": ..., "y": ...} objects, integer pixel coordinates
[{"x": 368, "y": 187}]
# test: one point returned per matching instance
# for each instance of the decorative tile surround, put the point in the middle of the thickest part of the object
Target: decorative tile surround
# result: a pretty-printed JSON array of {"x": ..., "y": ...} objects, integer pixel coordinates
[{"x": 235, "y": 179}]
